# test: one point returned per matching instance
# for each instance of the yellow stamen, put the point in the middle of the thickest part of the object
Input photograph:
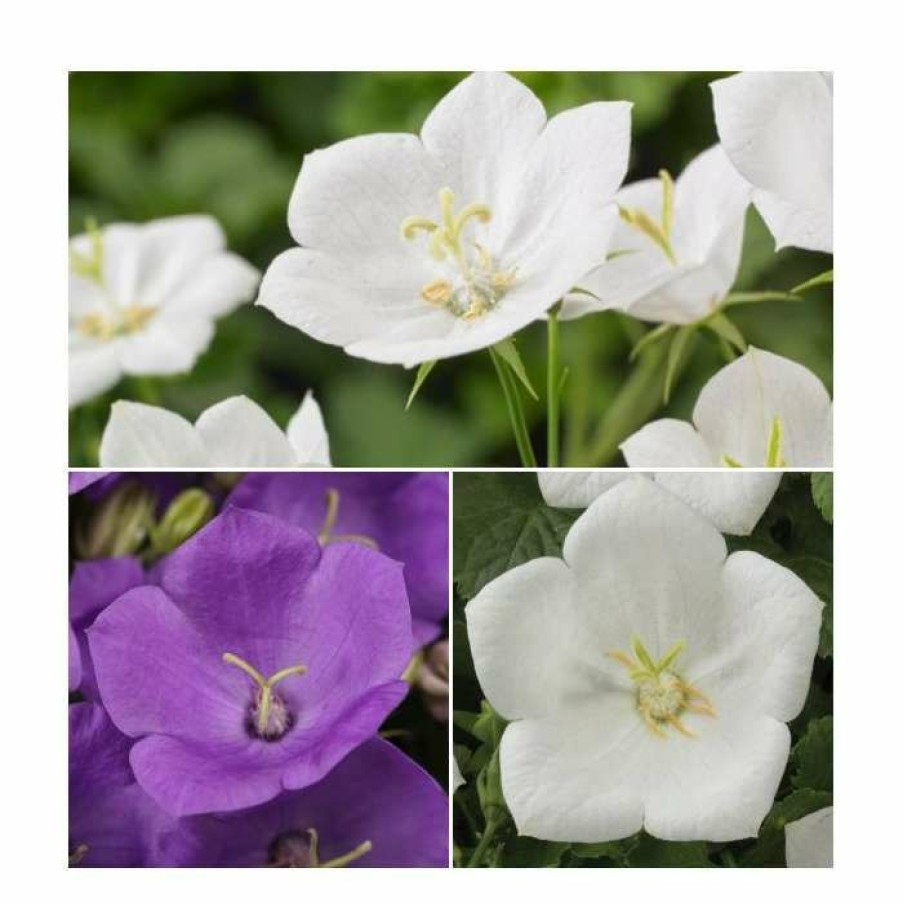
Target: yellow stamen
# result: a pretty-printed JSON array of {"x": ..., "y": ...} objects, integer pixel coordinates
[{"x": 436, "y": 292}]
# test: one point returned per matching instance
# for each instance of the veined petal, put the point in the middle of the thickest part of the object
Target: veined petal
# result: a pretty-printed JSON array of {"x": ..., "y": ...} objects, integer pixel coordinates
[
  {"x": 667, "y": 443},
  {"x": 577, "y": 775},
  {"x": 575, "y": 489},
  {"x": 93, "y": 368},
  {"x": 527, "y": 644},
  {"x": 737, "y": 410},
  {"x": 810, "y": 841},
  {"x": 307, "y": 434},
  {"x": 776, "y": 127},
  {"x": 239, "y": 433},
  {"x": 141, "y": 435}
]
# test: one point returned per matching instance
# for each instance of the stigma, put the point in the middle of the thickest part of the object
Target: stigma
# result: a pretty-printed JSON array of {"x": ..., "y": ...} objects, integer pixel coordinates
[
  {"x": 662, "y": 696},
  {"x": 657, "y": 231},
  {"x": 295, "y": 850},
  {"x": 475, "y": 283}
]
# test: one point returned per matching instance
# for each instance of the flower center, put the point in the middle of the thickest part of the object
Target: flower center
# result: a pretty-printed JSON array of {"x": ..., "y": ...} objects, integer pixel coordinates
[
  {"x": 115, "y": 320},
  {"x": 326, "y": 536},
  {"x": 294, "y": 850},
  {"x": 774, "y": 454},
  {"x": 658, "y": 232},
  {"x": 269, "y": 718},
  {"x": 662, "y": 695},
  {"x": 476, "y": 283}
]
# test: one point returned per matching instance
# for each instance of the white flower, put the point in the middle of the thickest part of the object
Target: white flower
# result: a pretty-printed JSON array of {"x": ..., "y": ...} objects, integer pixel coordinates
[
  {"x": 675, "y": 252},
  {"x": 761, "y": 410},
  {"x": 233, "y": 433},
  {"x": 648, "y": 675},
  {"x": 143, "y": 299},
  {"x": 732, "y": 501},
  {"x": 776, "y": 127},
  {"x": 457, "y": 777},
  {"x": 810, "y": 841},
  {"x": 419, "y": 248}
]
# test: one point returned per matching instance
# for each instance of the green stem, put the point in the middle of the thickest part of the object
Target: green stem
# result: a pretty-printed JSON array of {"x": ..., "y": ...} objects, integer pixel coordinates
[
  {"x": 515, "y": 411},
  {"x": 553, "y": 387},
  {"x": 483, "y": 845}
]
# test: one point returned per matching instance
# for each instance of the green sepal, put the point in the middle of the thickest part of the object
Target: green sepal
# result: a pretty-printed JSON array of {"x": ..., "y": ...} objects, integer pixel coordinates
[
  {"x": 508, "y": 352},
  {"x": 826, "y": 278},
  {"x": 423, "y": 371},
  {"x": 727, "y": 330},
  {"x": 736, "y": 298},
  {"x": 653, "y": 335}
]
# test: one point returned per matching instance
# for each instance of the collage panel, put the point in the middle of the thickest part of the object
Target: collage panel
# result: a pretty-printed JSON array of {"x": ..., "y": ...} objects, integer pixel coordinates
[
  {"x": 258, "y": 670},
  {"x": 641, "y": 680}
]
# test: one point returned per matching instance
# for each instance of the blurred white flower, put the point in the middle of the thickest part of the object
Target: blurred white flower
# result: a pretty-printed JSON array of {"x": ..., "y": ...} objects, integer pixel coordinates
[
  {"x": 761, "y": 410},
  {"x": 733, "y": 501},
  {"x": 777, "y": 130},
  {"x": 676, "y": 250},
  {"x": 648, "y": 675},
  {"x": 233, "y": 433},
  {"x": 457, "y": 777},
  {"x": 810, "y": 841},
  {"x": 143, "y": 298},
  {"x": 419, "y": 248}
]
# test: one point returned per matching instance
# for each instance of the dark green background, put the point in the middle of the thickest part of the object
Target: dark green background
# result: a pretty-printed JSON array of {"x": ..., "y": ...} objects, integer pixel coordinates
[{"x": 145, "y": 145}]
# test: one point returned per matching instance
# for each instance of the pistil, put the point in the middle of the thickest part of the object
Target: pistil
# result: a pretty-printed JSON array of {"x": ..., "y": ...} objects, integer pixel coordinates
[
  {"x": 294, "y": 851},
  {"x": 657, "y": 232},
  {"x": 271, "y": 719},
  {"x": 326, "y": 536}
]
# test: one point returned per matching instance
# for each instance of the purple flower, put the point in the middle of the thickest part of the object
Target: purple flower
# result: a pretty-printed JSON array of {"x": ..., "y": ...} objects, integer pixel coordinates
[
  {"x": 403, "y": 515},
  {"x": 255, "y": 666},
  {"x": 75, "y": 661},
  {"x": 92, "y": 587},
  {"x": 112, "y": 822},
  {"x": 376, "y": 808}
]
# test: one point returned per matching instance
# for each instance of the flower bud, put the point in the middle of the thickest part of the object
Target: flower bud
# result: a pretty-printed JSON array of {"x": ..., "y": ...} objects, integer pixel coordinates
[
  {"x": 120, "y": 524},
  {"x": 187, "y": 513}
]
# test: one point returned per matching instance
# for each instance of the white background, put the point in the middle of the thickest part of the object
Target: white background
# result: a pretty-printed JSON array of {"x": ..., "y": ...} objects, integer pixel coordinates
[{"x": 42, "y": 42}]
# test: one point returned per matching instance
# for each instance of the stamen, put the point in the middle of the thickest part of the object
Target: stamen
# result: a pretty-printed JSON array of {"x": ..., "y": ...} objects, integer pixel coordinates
[
  {"x": 292, "y": 851},
  {"x": 436, "y": 292},
  {"x": 658, "y": 233},
  {"x": 265, "y": 690},
  {"x": 89, "y": 266},
  {"x": 667, "y": 202},
  {"x": 414, "y": 224}
]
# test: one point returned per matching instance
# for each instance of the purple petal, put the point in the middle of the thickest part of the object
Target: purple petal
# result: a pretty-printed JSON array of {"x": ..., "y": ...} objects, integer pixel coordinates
[
  {"x": 376, "y": 793},
  {"x": 81, "y": 479},
  {"x": 75, "y": 662}
]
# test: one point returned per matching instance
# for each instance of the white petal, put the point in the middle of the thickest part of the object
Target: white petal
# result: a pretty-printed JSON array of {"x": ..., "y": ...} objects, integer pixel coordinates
[
  {"x": 576, "y": 489},
  {"x": 648, "y": 565},
  {"x": 736, "y": 409},
  {"x": 768, "y": 629},
  {"x": 168, "y": 344},
  {"x": 239, "y": 433},
  {"x": 776, "y": 127},
  {"x": 720, "y": 785},
  {"x": 480, "y": 133},
  {"x": 457, "y": 777},
  {"x": 667, "y": 443},
  {"x": 307, "y": 434},
  {"x": 578, "y": 775},
  {"x": 141, "y": 435},
  {"x": 216, "y": 287},
  {"x": 733, "y": 501},
  {"x": 351, "y": 198},
  {"x": 93, "y": 368},
  {"x": 525, "y": 639},
  {"x": 810, "y": 841}
]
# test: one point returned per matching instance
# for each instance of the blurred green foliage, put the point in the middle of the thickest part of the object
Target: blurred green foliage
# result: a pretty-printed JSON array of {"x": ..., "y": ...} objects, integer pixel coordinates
[{"x": 145, "y": 145}]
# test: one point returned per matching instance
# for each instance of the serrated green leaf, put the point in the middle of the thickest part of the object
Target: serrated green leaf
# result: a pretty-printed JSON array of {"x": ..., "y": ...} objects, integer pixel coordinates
[
  {"x": 727, "y": 330},
  {"x": 769, "y": 851},
  {"x": 423, "y": 371},
  {"x": 508, "y": 352},
  {"x": 650, "y": 337},
  {"x": 676, "y": 352},
  {"x": 821, "y": 279},
  {"x": 823, "y": 494},
  {"x": 528, "y": 852},
  {"x": 813, "y": 757},
  {"x": 650, "y": 852}
]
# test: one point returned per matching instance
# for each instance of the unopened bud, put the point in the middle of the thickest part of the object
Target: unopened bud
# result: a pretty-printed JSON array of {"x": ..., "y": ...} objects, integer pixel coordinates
[
  {"x": 186, "y": 514},
  {"x": 120, "y": 525}
]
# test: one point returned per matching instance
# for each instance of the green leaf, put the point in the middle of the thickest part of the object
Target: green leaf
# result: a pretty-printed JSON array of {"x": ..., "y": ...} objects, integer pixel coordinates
[
  {"x": 823, "y": 494},
  {"x": 819, "y": 577},
  {"x": 769, "y": 851},
  {"x": 489, "y": 725},
  {"x": 423, "y": 371},
  {"x": 725, "y": 329},
  {"x": 528, "y": 852},
  {"x": 825, "y": 278},
  {"x": 611, "y": 849},
  {"x": 508, "y": 352},
  {"x": 813, "y": 757},
  {"x": 675, "y": 355},
  {"x": 649, "y": 337},
  {"x": 653, "y": 853}
]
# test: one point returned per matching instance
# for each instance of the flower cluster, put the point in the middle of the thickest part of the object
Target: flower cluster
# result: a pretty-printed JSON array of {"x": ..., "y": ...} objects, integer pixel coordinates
[
  {"x": 417, "y": 248},
  {"x": 230, "y": 683}
]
